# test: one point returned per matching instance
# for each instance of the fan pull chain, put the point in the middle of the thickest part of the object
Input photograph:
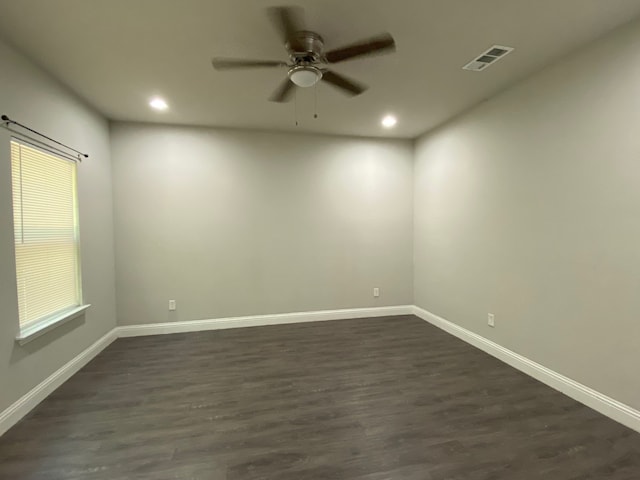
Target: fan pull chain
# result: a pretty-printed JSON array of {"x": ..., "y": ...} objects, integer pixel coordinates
[
  {"x": 295, "y": 108},
  {"x": 315, "y": 106}
]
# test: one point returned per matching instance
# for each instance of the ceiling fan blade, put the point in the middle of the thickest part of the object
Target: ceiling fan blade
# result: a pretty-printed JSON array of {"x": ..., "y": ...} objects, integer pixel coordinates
[
  {"x": 347, "y": 85},
  {"x": 283, "y": 92},
  {"x": 381, "y": 43},
  {"x": 237, "y": 63},
  {"x": 287, "y": 20}
]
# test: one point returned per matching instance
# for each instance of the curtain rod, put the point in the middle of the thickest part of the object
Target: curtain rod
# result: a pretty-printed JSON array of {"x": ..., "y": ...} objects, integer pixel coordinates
[{"x": 9, "y": 121}]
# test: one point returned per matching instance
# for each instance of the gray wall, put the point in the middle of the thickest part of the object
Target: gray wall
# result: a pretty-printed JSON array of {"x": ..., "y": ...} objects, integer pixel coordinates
[
  {"x": 232, "y": 223},
  {"x": 32, "y": 97},
  {"x": 529, "y": 207}
]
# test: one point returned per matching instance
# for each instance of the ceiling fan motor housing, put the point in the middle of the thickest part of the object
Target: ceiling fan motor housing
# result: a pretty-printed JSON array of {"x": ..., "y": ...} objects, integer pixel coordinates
[{"x": 305, "y": 46}]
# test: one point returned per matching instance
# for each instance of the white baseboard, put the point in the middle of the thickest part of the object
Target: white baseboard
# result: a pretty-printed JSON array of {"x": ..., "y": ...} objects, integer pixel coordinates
[
  {"x": 260, "y": 320},
  {"x": 609, "y": 407},
  {"x": 29, "y": 401}
]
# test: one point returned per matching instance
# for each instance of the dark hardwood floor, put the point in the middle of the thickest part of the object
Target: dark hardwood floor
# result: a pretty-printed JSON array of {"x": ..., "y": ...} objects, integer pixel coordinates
[{"x": 370, "y": 399}]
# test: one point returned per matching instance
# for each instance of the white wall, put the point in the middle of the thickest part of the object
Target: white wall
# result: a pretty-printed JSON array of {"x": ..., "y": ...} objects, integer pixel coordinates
[
  {"x": 233, "y": 223},
  {"x": 30, "y": 96},
  {"x": 529, "y": 207}
]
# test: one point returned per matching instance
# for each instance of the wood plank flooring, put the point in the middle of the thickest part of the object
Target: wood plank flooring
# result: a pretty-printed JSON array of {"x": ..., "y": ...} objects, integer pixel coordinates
[{"x": 369, "y": 399}]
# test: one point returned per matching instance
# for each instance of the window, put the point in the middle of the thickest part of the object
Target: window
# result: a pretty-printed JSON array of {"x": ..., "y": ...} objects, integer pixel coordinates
[{"x": 45, "y": 218}]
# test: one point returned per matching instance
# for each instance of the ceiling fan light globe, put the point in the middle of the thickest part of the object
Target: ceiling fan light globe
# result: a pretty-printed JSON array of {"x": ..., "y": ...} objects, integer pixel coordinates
[{"x": 305, "y": 75}]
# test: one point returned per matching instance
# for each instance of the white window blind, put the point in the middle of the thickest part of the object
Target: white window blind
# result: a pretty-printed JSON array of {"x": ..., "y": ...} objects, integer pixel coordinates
[{"x": 46, "y": 233}]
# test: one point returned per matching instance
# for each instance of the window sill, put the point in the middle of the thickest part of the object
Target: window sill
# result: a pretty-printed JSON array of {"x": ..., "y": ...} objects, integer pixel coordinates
[{"x": 34, "y": 331}]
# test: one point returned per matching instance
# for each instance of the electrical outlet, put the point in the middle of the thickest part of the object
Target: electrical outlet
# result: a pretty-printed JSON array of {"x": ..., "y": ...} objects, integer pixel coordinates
[
  {"x": 376, "y": 292},
  {"x": 172, "y": 305},
  {"x": 491, "y": 320}
]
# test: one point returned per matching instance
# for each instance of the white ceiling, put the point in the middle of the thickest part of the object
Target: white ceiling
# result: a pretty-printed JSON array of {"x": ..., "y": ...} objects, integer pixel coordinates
[{"x": 118, "y": 53}]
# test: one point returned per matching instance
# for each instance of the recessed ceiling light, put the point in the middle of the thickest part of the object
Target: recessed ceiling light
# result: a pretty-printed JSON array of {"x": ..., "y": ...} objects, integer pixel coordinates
[
  {"x": 158, "y": 103},
  {"x": 389, "y": 121}
]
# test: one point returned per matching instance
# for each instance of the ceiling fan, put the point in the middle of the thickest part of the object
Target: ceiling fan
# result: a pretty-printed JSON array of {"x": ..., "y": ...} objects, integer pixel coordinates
[{"x": 307, "y": 59}]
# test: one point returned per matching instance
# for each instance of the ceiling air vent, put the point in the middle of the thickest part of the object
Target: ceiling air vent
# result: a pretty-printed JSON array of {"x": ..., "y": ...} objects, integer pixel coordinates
[{"x": 492, "y": 55}]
